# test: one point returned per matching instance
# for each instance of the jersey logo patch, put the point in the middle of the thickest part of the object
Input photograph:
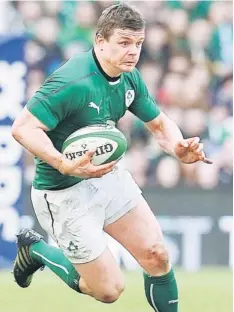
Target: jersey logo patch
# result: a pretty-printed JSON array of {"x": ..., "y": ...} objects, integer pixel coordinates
[
  {"x": 129, "y": 97},
  {"x": 93, "y": 105}
]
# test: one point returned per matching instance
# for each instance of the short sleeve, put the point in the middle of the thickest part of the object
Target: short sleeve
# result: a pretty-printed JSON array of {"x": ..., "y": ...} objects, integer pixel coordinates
[
  {"x": 143, "y": 106},
  {"x": 52, "y": 102}
]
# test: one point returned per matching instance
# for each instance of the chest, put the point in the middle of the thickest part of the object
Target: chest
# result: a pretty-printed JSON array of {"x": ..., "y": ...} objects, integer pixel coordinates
[{"x": 106, "y": 104}]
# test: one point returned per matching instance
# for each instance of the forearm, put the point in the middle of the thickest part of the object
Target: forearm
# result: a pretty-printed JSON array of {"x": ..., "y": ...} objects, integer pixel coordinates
[
  {"x": 168, "y": 135},
  {"x": 170, "y": 139},
  {"x": 38, "y": 143}
]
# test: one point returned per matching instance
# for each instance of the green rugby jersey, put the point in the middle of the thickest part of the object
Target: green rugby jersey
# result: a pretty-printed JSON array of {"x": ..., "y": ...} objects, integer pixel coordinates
[{"x": 79, "y": 94}]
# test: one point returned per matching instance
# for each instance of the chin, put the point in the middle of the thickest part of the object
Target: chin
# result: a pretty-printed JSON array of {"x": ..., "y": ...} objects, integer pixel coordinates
[{"x": 127, "y": 69}]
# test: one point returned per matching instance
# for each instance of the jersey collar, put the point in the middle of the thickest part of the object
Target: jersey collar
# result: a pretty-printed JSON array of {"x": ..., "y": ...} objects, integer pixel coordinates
[{"x": 111, "y": 80}]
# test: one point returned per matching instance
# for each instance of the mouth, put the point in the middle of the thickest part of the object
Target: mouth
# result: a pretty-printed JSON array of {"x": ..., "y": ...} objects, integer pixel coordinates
[{"x": 130, "y": 63}]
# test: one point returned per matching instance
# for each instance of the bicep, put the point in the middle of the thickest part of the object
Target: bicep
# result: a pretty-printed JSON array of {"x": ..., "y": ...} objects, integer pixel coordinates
[
  {"x": 51, "y": 104},
  {"x": 145, "y": 109},
  {"x": 158, "y": 123},
  {"x": 144, "y": 105},
  {"x": 27, "y": 119}
]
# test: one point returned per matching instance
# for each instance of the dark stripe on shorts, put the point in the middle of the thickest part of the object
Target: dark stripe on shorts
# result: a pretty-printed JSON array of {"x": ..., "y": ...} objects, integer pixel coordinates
[{"x": 51, "y": 215}]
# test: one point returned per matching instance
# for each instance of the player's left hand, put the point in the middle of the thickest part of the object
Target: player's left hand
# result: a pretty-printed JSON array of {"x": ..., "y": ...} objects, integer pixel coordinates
[{"x": 190, "y": 151}]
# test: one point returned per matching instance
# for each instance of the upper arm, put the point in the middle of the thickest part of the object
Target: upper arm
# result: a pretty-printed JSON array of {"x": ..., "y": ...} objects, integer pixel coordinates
[
  {"x": 158, "y": 123},
  {"x": 27, "y": 119},
  {"x": 144, "y": 105},
  {"x": 52, "y": 102}
]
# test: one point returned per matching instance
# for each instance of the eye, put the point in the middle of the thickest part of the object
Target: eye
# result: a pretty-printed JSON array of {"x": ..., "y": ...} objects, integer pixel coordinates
[
  {"x": 139, "y": 44},
  {"x": 124, "y": 43}
]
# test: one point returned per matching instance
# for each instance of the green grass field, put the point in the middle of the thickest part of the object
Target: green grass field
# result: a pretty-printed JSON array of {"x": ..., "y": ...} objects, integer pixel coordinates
[{"x": 209, "y": 290}]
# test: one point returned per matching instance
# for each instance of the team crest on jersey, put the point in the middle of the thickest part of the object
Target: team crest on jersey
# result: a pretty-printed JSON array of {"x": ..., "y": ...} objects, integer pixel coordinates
[{"x": 129, "y": 97}]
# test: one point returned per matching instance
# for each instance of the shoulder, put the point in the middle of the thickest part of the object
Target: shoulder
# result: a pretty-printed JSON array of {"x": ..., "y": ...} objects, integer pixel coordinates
[
  {"x": 77, "y": 72},
  {"x": 135, "y": 81},
  {"x": 134, "y": 77}
]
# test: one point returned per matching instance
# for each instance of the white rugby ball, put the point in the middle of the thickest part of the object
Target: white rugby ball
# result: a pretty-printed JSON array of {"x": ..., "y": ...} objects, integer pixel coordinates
[{"x": 108, "y": 142}]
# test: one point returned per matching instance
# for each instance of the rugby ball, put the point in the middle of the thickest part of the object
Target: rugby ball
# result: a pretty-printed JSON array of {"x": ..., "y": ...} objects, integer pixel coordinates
[{"x": 108, "y": 143}]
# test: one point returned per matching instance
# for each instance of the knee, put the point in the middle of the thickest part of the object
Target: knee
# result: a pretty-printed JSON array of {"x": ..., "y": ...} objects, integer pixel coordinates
[
  {"x": 156, "y": 256},
  {"x": 111, "y": 294}
]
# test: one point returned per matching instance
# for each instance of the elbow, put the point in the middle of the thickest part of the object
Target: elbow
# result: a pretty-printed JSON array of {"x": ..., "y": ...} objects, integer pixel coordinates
[{"x": 15, "y": 132}]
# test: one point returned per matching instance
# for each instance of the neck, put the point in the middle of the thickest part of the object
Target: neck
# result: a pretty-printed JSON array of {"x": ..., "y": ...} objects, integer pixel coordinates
[{"x": 109, "y": 69}]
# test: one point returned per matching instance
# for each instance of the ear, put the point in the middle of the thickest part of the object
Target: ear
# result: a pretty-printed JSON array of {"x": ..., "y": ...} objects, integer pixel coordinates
[{"x": 99, "y": 40}]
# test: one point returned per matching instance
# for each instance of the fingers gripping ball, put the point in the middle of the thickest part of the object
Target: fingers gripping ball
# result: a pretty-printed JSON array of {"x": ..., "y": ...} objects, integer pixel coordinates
[{"x": 108, "y": 143}]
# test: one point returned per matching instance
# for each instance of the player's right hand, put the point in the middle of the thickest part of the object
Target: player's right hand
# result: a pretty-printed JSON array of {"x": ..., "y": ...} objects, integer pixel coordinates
[{"x": 83, "y": 167}]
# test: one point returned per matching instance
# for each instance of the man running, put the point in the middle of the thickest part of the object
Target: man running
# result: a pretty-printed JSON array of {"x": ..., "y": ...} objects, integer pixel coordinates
[{"x": 77, "y": 202}]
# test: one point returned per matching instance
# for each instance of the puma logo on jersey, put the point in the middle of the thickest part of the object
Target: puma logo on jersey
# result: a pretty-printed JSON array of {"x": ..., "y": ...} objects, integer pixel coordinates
[{"x": 93, "y": 105}]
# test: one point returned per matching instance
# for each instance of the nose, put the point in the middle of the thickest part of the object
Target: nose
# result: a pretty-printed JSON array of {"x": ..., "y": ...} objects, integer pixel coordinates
[{"x": 133, "y": 50}]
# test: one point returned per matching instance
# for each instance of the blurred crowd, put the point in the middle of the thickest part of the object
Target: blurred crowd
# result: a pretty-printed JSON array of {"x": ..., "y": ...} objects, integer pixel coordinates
[{"x": 186, "y": 62}]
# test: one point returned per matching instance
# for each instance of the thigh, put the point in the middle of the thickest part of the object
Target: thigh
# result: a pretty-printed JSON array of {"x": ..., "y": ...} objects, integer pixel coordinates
[
  {"x": 75, "y": 218},
  {"x": 102, "y": 275},
  {"x": 137, "y": 231},
  {"x": 122, "y": 192}
]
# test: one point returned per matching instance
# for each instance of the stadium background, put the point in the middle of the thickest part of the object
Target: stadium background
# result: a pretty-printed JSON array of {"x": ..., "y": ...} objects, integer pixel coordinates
[{"x": 187, "y": 64}]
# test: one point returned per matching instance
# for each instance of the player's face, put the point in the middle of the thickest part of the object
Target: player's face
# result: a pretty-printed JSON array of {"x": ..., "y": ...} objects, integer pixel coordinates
[{"x": 122, "y": 49}]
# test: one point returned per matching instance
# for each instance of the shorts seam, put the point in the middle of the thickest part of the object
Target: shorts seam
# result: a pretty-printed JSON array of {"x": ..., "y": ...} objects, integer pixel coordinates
[
  {"x": 52, "y": 217},
  {"x": 120, "y": 214}
]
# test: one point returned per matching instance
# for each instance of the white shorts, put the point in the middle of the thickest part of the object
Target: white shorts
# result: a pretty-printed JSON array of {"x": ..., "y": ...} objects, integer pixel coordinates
[{"x": 76, "y": 216}]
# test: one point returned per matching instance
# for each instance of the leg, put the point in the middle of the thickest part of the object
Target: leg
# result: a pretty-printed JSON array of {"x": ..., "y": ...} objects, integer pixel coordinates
[
  {"x": 101, "y": 278},
  {"x": 34, "y": 253},
  {"x": 139, "y": 232},
  {"x": 74, "y": 218}
]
